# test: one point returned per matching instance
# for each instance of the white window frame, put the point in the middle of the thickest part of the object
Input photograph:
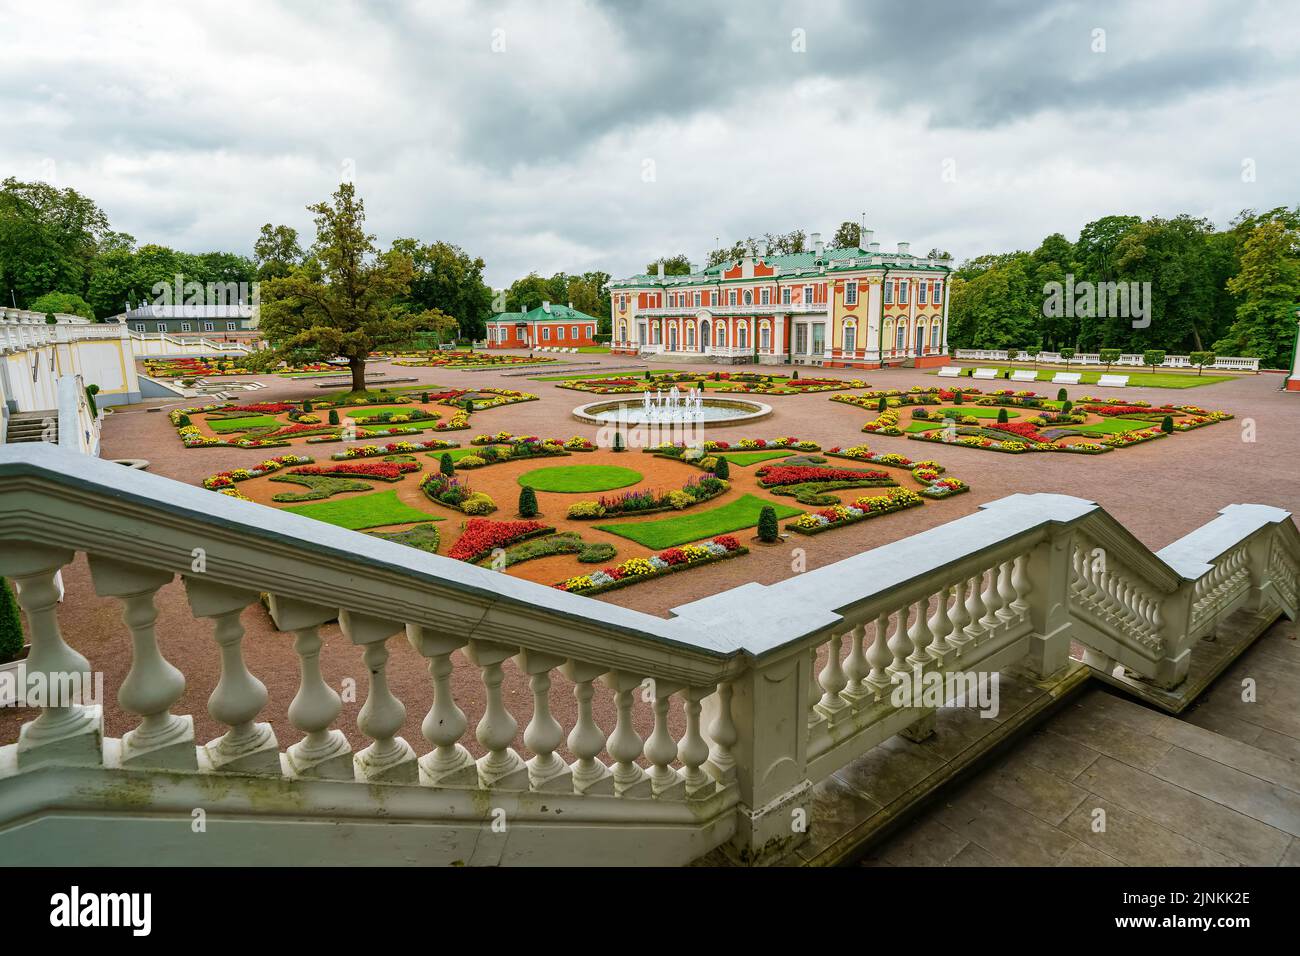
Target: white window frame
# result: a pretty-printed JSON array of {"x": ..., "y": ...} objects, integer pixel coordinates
[
  {"x": 232, "y": 326},
  {"x": 902, "y": 291},
  {"x": 765, "y": 297},
  {"x": 808, "y": 295},
  {"x": 162, "y": 326},
  {"x": 924, "y": 287},
  {"x": 208, "y": 326},
  {"x": 785, "y": 295},
  {"x": 697, "y": 300},
  {"x": 546, "y": 334},
  {"x": 850, "y": 293},
  {"x": 749, "y": 297},
  {"x": 574, "y": 333},
  {"x": 559, "y": 332},
  {"x": 185, "y": 327},
  {"x": 139, "y": 327},
  {"x": 889, "y": 292},
  {"x": 731, "y": 297}
]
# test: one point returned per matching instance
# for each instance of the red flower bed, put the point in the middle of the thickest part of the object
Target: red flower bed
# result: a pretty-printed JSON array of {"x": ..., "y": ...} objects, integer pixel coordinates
[
  {"x": 798, "y": 474},
  {"x": 1020, "y": 429},
  {"x": 262, "y": 408},
  {"x": 1111, "y": 410},
  {"x": 728, "y": 541},
  {"x": 483, "y": 535},
  {"x": 383, "y": 470},
  {"x": 298, "y": 430}
]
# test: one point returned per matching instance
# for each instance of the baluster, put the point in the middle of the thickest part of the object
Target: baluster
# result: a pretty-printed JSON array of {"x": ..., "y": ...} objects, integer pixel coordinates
[
  {"x": 661, "y": 749},
  {"x": 449, "y": 764},
  {"x": 814, "y": 689},
  {"x": 724, "y": 735},
  {"x": 879, "y": 656},
  {"x": 65, "y": 731},
  {"x": 940, "y": 625},
  {"x": 546, "y": 771},
  {"x": 586, "y": 739},
  {"x": 153, "y": 685},
  {"x": 247, "y": 747},
  {"x": 1022, "y": 584},
  {"x": 975, "y": 610},
  {"x": 833, "y": 681},
  {"x": 1006, "y": 593},
  {"x": 960, "y": 617},
  {"x": 389, "y": 759},
  {"x": 624, "y": 744},
  {"x": 856, "y": 667},
  {"x": 900, "y": 645},
  {"x": 920, "y": 635},
  {"x": 692, "y": 749},
  {"x": 991, "y": 601},
  {"x": 501, "y": 767},
  {"x": 322, "y": 753}
]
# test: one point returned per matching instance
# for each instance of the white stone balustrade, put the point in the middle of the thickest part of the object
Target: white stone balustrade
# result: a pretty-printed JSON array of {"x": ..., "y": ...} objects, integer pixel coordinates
[{"x": 1010, "y": 586}]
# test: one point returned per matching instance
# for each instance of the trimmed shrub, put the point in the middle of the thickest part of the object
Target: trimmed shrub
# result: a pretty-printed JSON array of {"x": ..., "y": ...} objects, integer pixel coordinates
[
  {"x": 883, "y": 404},
  {"x": 446, "y": 466},
  {"x": 1065, "y": 409},
  {"x": 11, "y": 626},
  {"x": 795, "y": 376},
  {"x": 723, "y": 468},
  {"x": 527, "y": 503},
  {"x": 586, "y": 509},
  {"x": 1167, "y": 424},
  {"x": 618, "y": 442},
  {"x": 334, "y": 416},
  {"x": 957, "y": 398},
  {"x": 1003, "y": 418},
  {"x": 478, "y": 504},
  {"x": 1061, "y": 396},
  {"x": 306, "y": 407},
  {"x": 768, "y": 529}
]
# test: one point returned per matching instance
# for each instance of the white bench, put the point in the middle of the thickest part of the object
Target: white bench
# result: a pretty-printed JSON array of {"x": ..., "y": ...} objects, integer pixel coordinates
[
  {"x": 950, "y": 371},
  {"x": 984, "y": 373},
  {"x": 1024, "y": 375},
  {"x": 1112, "y": 381},
  {"x": 1067, "y": 378}
]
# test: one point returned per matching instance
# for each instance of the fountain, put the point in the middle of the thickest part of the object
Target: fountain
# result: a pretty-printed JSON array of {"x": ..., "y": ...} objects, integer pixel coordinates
[{"x": 672, "y": 408}]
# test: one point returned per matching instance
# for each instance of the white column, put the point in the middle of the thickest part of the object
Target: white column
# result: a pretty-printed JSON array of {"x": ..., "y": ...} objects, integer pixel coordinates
[
  {"x": 322, "y": 753},
  {"x": 153, "y": 685},
  {"x": 449, "y": 764},
  {"x": 586, "y": 739},
  {"x": 66, "y": 731},
  {"x": 501, "y": 767},
  {"x": 947, "y": 285},
  {"x": 390, "y": 758},
  {"x": 546, "y": 771}
]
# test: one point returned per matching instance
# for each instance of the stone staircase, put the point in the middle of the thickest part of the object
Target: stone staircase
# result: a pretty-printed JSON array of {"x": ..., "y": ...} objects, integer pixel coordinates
[
  {"x": 31, "y": 426},
  {"x": 1107, "y": 781}
]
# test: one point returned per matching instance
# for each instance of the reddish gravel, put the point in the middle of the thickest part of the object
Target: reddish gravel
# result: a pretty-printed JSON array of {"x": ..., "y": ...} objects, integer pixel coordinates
[{"x": 1161, "y": 490}]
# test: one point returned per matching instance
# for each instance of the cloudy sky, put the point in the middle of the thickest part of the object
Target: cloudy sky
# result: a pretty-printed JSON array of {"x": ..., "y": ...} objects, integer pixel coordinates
[{"x": 586, "y": 135}]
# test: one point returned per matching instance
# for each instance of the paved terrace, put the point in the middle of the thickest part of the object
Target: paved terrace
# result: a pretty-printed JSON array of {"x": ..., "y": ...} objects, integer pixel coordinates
[{"x": 1160, "y": 490}]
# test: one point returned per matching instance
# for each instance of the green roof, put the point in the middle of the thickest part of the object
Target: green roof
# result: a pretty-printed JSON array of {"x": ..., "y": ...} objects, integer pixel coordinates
[
  {"x": 557, "y": 313},
  {"x": 793, "y": 265},
  {"x": 797, "y": 261}
]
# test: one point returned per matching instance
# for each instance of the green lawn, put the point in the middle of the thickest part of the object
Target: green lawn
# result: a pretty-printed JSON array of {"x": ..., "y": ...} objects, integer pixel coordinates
[
  {"x": 1138, "y": 378},
  {"x": 364, "y": 511},
  {"x": 594, "y": 349},
  {"x": 223, "y": 426},
  {"x": 1113, "y": 426},
  {"x": 458, "y": 453},
  {"x": 571, "y": 479},
  {"x": 747, "y": 458},
  {"x": 684, "y": 528}
]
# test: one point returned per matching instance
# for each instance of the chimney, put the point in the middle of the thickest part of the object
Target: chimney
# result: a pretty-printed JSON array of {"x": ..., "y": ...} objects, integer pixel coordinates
[
  {"x": 874, "y": 248},
  {"x": 661, "y": 269},
  {"x": 570, "y": 305},
  {"x": 903, "y": 248},
  {"x": 818, "y": 246},
  {"x": 867, "y": 236},
  {"x": 546, "y": 305},
  {"x": 762, "y": 248}
]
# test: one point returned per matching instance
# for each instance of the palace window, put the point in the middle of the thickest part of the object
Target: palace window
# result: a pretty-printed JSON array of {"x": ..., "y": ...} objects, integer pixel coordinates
[
  {"x": 850, "y": 338},
  {"x": 731, "y": 297},
  {"x": 808, "y": 294},
  {"x": 139, "y": 326},
  {"x": 785, "y": 296},
  {"x": 690, "y": 335},
  {"x": 559, "y": 332},
  {"x": 851, "y": 293},
  {"x": 902, "y": 292},
  {"x": 713, "y": 297},
  {"x": 162, "y": 326},
  {"x": 765, "y": 297},
  {"x": 749, "y": 297},
  {"x": 765, "y": 339},
  {"x": 208, "y": 326},
  {"x": 185, "y": 326},
  {"x": 697, "y": 300},
  {"x": 921, "y": 292},
  {"x": 546, "y": 334}
]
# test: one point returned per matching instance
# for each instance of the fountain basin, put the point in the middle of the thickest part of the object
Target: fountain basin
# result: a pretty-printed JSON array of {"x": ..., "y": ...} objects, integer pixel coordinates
[{"x": 714, "y": 412}]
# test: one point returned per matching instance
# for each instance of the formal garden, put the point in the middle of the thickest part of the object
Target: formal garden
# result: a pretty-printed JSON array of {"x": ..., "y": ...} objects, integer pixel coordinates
[
  {"x": 714, "y": 381},
  {"x": 1022, "y": 421},
  {"x": 599, "y": 519}
]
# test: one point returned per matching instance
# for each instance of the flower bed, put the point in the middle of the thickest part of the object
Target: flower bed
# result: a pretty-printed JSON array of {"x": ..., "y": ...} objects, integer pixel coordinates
[
  {"x": 694, "y": 492},
  {"x": 227, "y": 479},
  {"x": 452, "y": 492},
  {"x": 392, "y": 448},
  {"x": 838, "y": 516},
  {"x": 771, "y": 476},
  {"x": 696, "y": 455},
  {"x": 378, "y": 470},
  {"x": 482, "y": 536},
  {"x": 668, "y": 561},
  {"x": 929, "y": 472}
]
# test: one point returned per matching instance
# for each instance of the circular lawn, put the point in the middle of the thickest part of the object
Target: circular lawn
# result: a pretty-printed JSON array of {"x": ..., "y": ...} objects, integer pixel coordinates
[{"x": 579, "y": 478}]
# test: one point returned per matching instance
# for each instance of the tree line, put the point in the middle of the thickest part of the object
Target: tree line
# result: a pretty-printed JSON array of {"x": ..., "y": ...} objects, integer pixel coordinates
[{"x": 1232, "y": 291}]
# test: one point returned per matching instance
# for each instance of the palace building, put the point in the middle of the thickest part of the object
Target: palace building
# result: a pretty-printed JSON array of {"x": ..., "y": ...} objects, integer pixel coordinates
[
  {"x": 548, "y": 325},
  {"x": 839, "y": 308}
]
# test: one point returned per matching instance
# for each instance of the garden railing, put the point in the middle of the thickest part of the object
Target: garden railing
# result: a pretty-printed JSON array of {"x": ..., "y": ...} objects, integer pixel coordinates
[{"x": 1010, "y": 586}]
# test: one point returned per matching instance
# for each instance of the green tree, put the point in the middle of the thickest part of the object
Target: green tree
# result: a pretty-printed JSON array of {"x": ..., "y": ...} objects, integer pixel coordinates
[
  {"x": 49, "y": 238},
  {"x": 276, "y": 252},
  {"x": 1153, "y": 359},
  {"x": 847, "y": 236},
  {"x": 1267, "y": 287},
  {"x": 347, "y": 302},
  {"x": 1201, "y": 360},
  {"x": 527, "y": 502},
  {"x": 450, "y": 280},
  {"x": 64, "y": 303},
  {"x": 446, "y": 466},
  {"x": 769, "y": 531},
  {"x": 1109, "y": 357},
  {"x": 723, "y": 468},
  {"x": 11, "y": 625},
  {"x": 678, "y": 265}
]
